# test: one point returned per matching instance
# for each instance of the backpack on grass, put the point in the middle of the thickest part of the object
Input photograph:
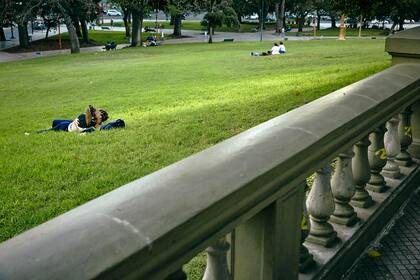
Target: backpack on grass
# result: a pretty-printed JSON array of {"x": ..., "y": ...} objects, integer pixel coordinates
[{"x": 113, "y": 124}]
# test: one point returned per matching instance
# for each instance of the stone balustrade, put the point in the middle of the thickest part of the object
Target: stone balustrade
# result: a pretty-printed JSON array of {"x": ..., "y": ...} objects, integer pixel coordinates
[{"x": 241, "y": 200}]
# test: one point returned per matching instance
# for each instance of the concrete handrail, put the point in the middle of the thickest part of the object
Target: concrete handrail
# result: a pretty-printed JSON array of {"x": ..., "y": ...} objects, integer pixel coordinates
[{"x": 150, "y": 227}]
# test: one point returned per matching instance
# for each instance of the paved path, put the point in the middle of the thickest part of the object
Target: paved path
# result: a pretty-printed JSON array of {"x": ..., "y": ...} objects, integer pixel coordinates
[{"x": 400, "y": 250}]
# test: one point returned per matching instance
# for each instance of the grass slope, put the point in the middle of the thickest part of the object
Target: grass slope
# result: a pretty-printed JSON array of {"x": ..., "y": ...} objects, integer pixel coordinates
[{"x": 175, "y": 99}]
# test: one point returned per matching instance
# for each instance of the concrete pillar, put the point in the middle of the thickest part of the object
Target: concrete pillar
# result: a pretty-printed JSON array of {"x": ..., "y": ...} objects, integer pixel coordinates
[
  {"x": 320, "y": 204},
  {"x": 361, "y": 174},
  {"x": 392, "y": 147},
  {"x": 217, "y": 266},
  {"x": 405, "y": 135},
  {"x": 343, "y": 189},
  {"x": 306, "y": 260},
  {"x": 377, "y": 160},
  {"x": 404, "y": 47},
  {"x": 267, "y": 246}
]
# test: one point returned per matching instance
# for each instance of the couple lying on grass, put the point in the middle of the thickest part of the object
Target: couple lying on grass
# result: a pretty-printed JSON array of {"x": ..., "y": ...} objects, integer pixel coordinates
[
  {"x": 87, "y": 122},
  {"x": 276, "y": 49}
]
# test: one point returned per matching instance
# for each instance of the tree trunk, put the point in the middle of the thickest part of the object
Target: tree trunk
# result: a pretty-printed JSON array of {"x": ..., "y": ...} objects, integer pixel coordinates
[
  {"x": 177, "y": 25},
  {"x": 278, "y": 20},
  {"x": 2, "y": 36},
  {"x": 47, "y": 32},
  {"x": 136, "y": 37},
  {"x": 23, "y": 35},
  {"x": 85, "y": 31},
  {"x": 360, "y": 26},
  {"x": 126, "y": 24},
  {"x": 211, "y": 35},
  {"x": 342, "y": 35},
  {"x": 74, "y": 40},
  {"x": 77, "y": 26},
  {"x": 135, "y": 32},
  {"x": 318, "y": 21},
  {"x": 333, "y": 22}
]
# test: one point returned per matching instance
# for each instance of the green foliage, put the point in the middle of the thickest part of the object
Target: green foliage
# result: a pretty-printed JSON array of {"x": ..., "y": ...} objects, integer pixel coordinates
[
  {"x": 196, "y": 267},
  {"x": 219, "y": 12},
  {"x": 176, "y": 100}
]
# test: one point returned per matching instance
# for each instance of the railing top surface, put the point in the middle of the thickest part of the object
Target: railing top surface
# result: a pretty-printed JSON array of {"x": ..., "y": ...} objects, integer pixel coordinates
[{"x": 136, "y": 228}]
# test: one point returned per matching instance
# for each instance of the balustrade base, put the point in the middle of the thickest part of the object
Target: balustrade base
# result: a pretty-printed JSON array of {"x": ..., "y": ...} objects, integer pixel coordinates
[
  {"x": 404, "y": 162},
  {"x": 366, "y": 203},
  {"x": 376, "y": 188},
  {"x": 326, "y": 241},
  {"x": 392, "y": 174},
  {"x": 347, "y": 221}
]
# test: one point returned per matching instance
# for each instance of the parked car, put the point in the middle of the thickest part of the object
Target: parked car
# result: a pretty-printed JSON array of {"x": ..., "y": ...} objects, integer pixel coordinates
[
  {"x": 113, "y": 12},
  {"x": 39, "y": 26}
]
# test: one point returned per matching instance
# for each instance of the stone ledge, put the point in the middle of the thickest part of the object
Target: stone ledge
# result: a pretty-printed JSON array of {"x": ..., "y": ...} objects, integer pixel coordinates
[{"x": 404, "y": 44}]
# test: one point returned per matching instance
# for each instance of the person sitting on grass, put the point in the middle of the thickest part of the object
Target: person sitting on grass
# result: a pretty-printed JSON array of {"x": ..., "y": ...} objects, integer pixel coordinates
[
  {"x": 89, "y": 121},
  {"x": 274, "y": 51},
  {"x": 282, "y": 48}
]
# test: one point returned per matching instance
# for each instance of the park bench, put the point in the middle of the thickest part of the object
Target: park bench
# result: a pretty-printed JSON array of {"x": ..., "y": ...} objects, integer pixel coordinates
[{"x": 228, "y": 40}]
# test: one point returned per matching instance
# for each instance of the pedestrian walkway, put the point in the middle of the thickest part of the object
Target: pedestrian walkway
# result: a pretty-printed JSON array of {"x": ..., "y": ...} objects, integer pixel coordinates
[{"x": 399, "y": 251}]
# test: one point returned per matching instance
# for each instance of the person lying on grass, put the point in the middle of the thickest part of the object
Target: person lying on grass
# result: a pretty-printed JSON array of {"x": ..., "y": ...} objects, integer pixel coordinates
[{"x": 89, "y": 121}]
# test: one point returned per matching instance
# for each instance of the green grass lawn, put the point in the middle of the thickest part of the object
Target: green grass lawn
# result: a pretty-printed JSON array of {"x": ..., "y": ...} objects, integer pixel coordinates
[{"x": 176, "y": 100}]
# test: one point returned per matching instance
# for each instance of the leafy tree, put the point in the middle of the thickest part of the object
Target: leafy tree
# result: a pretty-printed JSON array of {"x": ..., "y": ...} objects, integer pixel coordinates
[
  {"x": 5, "y": 17},
  {"x": 178, "y": 9},
  {"x": 49, "y": 17},
  {"x": 138, "y": 9},
  {"x": 402, "y": 10},
  {"x": 218, "y": 12},
  {"x": 22, "y": 12},
  {"x": 322, "y": 8},
  {"x": 344, "y": 7},
  {"x": 300, "y": 8},
  {"x": 244, "y": 8}
]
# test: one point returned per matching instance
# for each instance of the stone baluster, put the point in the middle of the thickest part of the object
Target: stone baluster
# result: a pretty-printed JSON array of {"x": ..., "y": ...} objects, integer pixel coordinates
[
  {"x": 361, "y": 174},
  {"x": 217, "y": 266},
  {"x": 343, "y": 189},
  {"x": 406, "y": 138},
  {"x": 305, "y": 258},
  {"x": 377, "y": 160},
  {"x": 320, "y": 204},
  {"x": 392, "y": 147}
]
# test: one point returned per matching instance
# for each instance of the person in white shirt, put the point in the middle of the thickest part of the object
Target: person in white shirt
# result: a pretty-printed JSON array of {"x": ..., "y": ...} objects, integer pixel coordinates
[
  {"x": 282, "y": 48},
  {"x": 275, "y": 49}
]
